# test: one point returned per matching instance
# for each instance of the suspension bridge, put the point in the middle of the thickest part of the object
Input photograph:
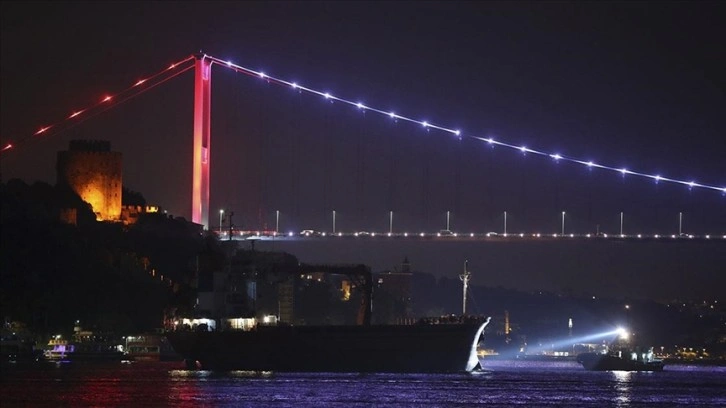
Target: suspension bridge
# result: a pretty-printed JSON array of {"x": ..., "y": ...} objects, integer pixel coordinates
[{"x": 335, "y": 223}]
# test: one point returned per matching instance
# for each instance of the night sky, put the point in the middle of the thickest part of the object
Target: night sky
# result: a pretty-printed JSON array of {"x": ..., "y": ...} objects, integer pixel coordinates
[{"x": 638, "y": 85}]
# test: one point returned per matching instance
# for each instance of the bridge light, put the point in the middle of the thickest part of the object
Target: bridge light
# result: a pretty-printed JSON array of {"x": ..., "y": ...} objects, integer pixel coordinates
[
  {"x": 106, "y": 98},
  {"x": 523, "y": 149},
  {"x": 293, "y": 85},
  {"x": 590, "y": 164},
  {"x": 457, "y": 132},
  {"x": 691, "y": 184},
  {"x": 556, "y": 156},
  {"x": 327, "y": 95},
  {"x": 422, "y": 234},
  {"x": 229, "y": 63},
  {"x": 392, "y": 115},
  {"x": 624, "y": 171},
  {"x": 140, "y": 81},
  {"x": 8, "y": 146},
  {"x": 262, "y": 75},
  {"x": 490, "y": 140},
  {"x": 360, "y": 105},
  {"x": 425, "y": 124},
  {"x": 657, "y": 178}
]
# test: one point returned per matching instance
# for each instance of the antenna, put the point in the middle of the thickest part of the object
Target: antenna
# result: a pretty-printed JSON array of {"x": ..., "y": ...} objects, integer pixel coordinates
[{"x": 465, "y": 278}]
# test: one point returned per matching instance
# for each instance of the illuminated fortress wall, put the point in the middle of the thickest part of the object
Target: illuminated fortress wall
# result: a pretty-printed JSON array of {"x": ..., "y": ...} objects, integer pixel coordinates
[{"x": 93, "y": 171}]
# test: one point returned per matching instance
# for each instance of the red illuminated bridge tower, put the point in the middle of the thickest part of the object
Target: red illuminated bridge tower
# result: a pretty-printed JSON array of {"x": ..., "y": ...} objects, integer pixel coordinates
[{"x": 201, "y": 148}]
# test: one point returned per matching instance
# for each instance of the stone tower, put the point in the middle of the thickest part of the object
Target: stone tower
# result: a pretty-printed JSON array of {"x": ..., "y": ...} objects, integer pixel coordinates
[{"x": 93, "y": 171}]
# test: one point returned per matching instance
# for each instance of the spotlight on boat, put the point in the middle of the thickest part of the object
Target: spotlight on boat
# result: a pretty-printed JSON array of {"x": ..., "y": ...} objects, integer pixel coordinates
[{"x": 622, "y": 333}]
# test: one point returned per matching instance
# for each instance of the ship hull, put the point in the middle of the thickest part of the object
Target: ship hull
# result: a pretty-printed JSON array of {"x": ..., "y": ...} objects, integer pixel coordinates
[{"x": 394, "y": 348}]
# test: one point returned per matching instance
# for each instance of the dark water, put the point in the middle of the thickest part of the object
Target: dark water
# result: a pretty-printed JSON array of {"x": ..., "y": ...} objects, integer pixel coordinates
[{"x": 503, "y": 384}]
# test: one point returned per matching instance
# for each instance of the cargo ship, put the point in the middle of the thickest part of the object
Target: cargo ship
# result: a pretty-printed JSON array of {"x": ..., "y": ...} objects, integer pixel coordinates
[
  {"x": 421, "y": 347},
  {"x": 443, "y": 344}
]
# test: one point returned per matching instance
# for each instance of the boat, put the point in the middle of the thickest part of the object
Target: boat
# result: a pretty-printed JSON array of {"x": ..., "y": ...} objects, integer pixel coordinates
[
  {"x": 422, "y": 347},
  {"x": 150, "y": 347},
  {"x": 255, "y": 343},
  {"x": 618, "y": 362},
  {"x": 85, "y": 346},
  {"x": 17, "y": 345},
  {"x": 57, "y": 349}
]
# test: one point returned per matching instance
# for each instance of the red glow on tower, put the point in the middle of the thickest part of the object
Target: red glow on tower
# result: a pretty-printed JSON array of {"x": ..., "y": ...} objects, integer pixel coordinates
[{"x": 201, "y": 148}]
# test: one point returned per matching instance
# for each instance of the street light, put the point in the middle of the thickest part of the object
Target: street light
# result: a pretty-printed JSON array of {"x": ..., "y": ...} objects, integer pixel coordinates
[{"x": 221, "y": 212}]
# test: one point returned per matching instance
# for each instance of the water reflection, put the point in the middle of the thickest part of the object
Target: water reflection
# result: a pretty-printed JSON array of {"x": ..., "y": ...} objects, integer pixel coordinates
[{"x": 622, "y": 387}]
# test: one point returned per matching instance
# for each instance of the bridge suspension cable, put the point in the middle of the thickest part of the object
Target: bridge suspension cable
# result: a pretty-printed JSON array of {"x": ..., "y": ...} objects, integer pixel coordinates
[
  {"x": 80, "y": 115},
  {"x": 107, "y": 102},
  {"x": 457, "y": 132}
]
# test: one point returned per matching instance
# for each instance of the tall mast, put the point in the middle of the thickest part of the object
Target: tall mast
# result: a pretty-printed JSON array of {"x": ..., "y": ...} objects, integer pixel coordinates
[{"x": 465, "y": 278}]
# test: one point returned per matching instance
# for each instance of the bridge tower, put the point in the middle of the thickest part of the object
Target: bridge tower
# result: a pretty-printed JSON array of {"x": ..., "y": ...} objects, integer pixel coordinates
[{"x": 201, "y": 148}]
